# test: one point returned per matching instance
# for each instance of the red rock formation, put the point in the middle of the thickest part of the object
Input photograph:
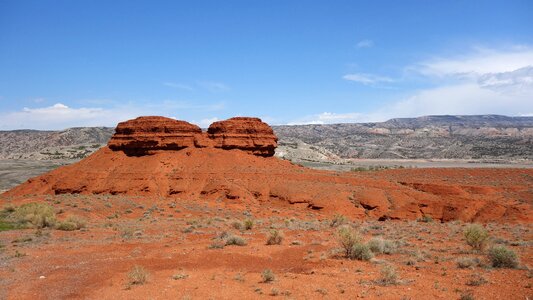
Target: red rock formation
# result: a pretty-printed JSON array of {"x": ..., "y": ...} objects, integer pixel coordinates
[
  {"x": 248, "y": 134},
  {"x": 144, "y": 135}
]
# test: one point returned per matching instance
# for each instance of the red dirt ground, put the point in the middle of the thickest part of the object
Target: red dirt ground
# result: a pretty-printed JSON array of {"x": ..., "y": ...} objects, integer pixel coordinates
[{"x": 171, "y": 235}]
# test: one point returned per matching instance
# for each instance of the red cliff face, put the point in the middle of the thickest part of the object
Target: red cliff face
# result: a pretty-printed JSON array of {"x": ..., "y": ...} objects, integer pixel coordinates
[
  {"x": 147, "y": 135},
  {"x": 248, "y": 134}
]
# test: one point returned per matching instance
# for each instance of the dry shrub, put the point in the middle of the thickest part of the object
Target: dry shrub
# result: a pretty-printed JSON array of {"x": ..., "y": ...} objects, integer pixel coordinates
[
  {"x": 379, "y": 245},
  {"x": 361, "y": 251},
  {"x": 72, "y": 223},
  {"x": 502, "y": 257},
  {"x": 275, "y": 237},
  {"x": 36, "y": 215},
  {"x": 476, "y": 236},
  {"x": 268, "y": 275},
  {"x": 137, "y": 275},
  {"x": 234, "y": 240},
  {"x": 348, "y": 237},
  {"x": 389, "y": 276}
]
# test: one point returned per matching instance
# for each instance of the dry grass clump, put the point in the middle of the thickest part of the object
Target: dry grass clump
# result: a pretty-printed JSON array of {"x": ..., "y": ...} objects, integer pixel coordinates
[
  {"x": 379, "y": 245},
  {"x": 234, "y": 240},
  {"x": 268, "y": 275},
  {"x": 389, "y": 275},
  {"x": 476, "y": 236},
  {"x": 275, "y": 237},
  {"x": 137, "y": 275},
  {"x": 502, "y": 257},
  {"x": 468, "y": 262},
  {"x": 36, "y": 215},
  {"x": 248, "y": 224},
  {"x": 348, "y": 237},
  {"x": 361, "y": 251},
  {"x": 352, "y": 245},
  {"x": 476, "y": 280},
  {"x": 338, "y": 220},
  {"x": 72, "y": 223}
]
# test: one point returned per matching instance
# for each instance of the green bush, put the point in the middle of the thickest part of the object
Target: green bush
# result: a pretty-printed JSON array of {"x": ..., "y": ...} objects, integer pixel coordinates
[
  {"x": 501, "y": 257},
  {"x": 476, "y": 236}
]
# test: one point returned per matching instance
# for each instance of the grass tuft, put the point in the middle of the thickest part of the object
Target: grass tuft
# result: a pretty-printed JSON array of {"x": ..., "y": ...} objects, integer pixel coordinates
[{"x": 275, "y": 237}]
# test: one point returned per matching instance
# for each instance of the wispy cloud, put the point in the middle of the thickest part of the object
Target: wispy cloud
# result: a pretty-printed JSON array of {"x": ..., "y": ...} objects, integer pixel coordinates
[
  {"x": 60, "y": 116},
  {"x": 367, "y": 79},
  {"x": 179, "y": 86},
  {"x": 365, "y": 44},
  {"x": 477, "y": 62},
  {"x": 210, "y": 86},
  {"x": 213, "y": 86},
  {"x": 186, "y": 105}
]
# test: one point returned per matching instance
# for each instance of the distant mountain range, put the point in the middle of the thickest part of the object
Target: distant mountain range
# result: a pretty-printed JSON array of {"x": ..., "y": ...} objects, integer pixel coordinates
[{"x": 429, "y": 137}]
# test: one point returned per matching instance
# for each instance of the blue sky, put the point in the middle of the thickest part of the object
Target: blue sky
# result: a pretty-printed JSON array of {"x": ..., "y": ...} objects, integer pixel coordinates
[{"x": 94, "y": 63}]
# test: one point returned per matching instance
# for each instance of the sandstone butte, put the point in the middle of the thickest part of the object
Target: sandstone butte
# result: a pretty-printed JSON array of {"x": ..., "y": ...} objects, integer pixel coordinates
[{"x": 233, "y": 161}]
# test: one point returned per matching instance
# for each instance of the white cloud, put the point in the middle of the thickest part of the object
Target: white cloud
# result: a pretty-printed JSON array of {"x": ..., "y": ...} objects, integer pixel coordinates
[
  {"x": 204, "y": 123},
  {"x": 367, "y": 79},
  {"x": 365, "y": 44},
  {"x": 60, "y": 116},
  {"x": 481, "y": 82},
  {"x": 461, "y": 99},
  {"x": 179, "y": 86}
]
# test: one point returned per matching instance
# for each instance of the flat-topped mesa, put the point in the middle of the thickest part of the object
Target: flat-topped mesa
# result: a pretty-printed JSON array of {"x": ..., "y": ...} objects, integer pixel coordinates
[
  {"x": 147, "y": 135},
  {"x": 142, "y": 135},
  {"x": 248, "y": 134}
]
